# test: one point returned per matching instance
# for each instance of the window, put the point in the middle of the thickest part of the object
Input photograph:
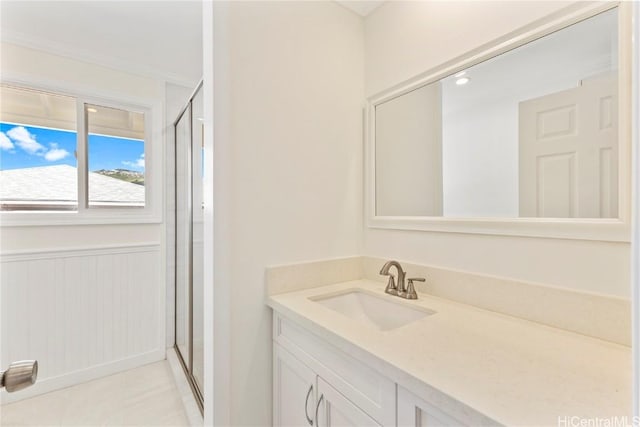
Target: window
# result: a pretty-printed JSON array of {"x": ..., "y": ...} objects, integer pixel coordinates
[
  {"x": 37, "y": 146},
  {"x": 63, "y": 153},
  {"x": 115, "y": 148}
]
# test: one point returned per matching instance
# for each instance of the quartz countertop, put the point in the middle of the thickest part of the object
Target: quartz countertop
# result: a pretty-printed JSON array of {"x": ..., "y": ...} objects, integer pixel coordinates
[{"x": 510, "y": 370}]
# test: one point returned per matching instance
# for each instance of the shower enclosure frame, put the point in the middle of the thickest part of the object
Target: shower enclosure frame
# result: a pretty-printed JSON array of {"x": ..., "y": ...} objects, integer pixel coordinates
[{"x": 187, "y": 365}]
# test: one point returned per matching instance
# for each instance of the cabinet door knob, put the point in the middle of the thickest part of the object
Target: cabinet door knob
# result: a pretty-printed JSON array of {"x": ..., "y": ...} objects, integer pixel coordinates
[
  {"x": 306, "y": 403},
  {"x": 318, "y": 407}
]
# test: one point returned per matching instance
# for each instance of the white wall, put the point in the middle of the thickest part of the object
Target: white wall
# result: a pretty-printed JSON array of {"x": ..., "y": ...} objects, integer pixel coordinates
[
  {"x": 431, "y": 33},
  {"x": 30, "y": 66},
  {"x": 158, "y": 38},
  {"x": 635, "y": 303},
  {"x": 480, "y": 160},
  {"x": 409, "y": 154},
  {"x": 34, "y": 67},
  {"x": 404, "y": 38},
  {"x": 82, "y": 314},
  {"x": 288, "y": 166},
  {"x": 92, "y": 260}
]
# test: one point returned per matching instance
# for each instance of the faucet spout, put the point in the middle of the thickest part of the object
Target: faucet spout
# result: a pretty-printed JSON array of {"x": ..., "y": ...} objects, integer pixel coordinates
[{"x": 400, "y": 284}]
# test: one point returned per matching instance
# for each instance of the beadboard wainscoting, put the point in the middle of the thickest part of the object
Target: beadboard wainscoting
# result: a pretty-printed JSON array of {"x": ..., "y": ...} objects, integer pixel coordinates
[{"x": 82, "y": 313}]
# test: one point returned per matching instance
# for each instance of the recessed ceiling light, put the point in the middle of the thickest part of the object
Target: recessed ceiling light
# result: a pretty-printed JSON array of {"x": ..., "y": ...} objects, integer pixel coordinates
[
  {"x": 92, "y": 110},
  {"x": 460, "y": 74},
  {"x": 463, "y": 81}
]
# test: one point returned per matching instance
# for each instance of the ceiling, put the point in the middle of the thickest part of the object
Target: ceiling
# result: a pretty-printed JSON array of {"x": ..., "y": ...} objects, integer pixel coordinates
[
  {"x": 559, "y": 61},
  {"x": 161, "y": 38}
]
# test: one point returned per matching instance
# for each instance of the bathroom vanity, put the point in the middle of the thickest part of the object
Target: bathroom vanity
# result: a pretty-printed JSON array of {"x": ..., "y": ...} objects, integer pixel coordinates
[{"x": 343, "y": 363}]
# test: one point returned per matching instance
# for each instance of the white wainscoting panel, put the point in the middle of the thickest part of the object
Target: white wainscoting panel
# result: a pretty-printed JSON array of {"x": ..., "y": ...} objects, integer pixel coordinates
[{"x": 82, "y": 313}]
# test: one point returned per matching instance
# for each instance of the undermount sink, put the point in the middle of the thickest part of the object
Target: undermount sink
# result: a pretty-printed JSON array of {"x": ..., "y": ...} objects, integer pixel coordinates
[{"x": 381, "y": 312}]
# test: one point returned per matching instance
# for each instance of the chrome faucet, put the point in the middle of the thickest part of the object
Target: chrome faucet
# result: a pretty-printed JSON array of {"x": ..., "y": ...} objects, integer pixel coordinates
[{"x": 399, "y": 289}]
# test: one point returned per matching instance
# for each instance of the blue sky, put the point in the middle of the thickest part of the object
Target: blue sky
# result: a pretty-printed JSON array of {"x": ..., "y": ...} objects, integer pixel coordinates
[{"x": 29, "y": 146}]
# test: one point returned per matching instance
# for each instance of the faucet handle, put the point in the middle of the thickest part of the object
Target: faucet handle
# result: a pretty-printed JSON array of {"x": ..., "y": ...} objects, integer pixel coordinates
[
  {"x": 411, "y": 290},
  {"x": 391, "y": 288}
]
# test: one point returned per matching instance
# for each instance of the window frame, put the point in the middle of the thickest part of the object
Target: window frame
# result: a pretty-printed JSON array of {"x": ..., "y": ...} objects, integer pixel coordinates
[{"x": 86, "y": 214}]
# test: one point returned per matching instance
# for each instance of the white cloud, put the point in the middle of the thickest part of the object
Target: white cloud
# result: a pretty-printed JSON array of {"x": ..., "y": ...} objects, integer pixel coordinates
[
  {"x": 5, "y": 142},
  {"x": 138, "y": 163},
  {"x": 25, "y": 140},
  {"x": 55, "y": 153}
]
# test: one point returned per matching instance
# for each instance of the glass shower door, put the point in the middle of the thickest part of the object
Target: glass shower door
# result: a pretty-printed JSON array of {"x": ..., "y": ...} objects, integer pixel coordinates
[
  {"x": 197, "y": 248},
  {"x": 183, "y": 235},
  {"x": 189, "y": 242}
]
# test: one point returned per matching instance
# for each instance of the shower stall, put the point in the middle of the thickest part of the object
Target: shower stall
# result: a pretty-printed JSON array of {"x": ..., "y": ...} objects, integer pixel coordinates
[{"x": 189, "y": 173}]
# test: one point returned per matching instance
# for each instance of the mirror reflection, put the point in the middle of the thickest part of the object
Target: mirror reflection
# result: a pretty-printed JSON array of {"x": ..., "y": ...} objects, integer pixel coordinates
[{"x": 530, "y": 133}]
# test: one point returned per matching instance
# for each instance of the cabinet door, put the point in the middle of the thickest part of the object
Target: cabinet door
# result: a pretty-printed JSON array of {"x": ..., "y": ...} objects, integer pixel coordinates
[
  {"x": 294, "y": 394},
  {"x": 335, "y": 410},
  {"x": 415, "y": 412}
]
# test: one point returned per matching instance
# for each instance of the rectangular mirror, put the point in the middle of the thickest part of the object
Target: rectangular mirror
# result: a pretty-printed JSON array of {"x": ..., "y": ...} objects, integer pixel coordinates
[{"x": 530, "y": 132}]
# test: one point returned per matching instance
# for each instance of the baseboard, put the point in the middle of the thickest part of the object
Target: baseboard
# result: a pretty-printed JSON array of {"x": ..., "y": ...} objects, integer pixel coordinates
[{"x": 77, "y": 377}]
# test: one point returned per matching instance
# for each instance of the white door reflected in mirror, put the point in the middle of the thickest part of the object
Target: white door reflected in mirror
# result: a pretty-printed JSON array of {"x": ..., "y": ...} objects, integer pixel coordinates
[{"x": 569, "y": 152}]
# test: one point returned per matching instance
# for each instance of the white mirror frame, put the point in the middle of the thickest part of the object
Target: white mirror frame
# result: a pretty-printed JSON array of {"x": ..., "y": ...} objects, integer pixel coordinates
[{"x": 614, "y": 229}]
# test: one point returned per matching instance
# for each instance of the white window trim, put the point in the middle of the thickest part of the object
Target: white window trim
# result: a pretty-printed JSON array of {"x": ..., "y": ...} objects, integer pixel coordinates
[{"x": 154, "y": 160}]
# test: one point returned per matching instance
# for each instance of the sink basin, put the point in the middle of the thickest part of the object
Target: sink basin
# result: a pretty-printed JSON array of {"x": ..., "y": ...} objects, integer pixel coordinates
[{"x": 380, "y": 312}]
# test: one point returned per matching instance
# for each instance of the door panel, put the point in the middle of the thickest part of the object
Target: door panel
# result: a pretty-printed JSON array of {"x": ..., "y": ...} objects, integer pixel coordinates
[
  {"x": 335, "y": 410},
  {"x": 415, "y": 412},
  {"x": 569, "y": 152},
  {"x": 556, "y": 185},
  {"x": 293, "y": 390}
]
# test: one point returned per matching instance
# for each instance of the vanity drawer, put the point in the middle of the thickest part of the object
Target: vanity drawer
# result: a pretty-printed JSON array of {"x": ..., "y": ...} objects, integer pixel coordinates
[{"x": 365, "y": 387}]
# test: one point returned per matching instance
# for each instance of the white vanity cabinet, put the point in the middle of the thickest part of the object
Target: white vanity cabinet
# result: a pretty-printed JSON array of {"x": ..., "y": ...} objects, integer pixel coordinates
[
  {"x": 294, "y": 390},
  {"x": 335, "y": 410},
  {"x": 301, "y": 397},
  {"x": 310, "y": 376},
  {"x": 416, "y": 412}
]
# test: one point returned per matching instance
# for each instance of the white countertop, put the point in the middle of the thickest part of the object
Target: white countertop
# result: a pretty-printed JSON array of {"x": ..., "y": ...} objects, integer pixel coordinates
[{"x": 513, "y": 371}]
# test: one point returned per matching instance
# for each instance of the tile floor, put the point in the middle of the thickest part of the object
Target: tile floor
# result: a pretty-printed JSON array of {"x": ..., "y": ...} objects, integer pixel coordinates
[{"x": 145, "y": 396}]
